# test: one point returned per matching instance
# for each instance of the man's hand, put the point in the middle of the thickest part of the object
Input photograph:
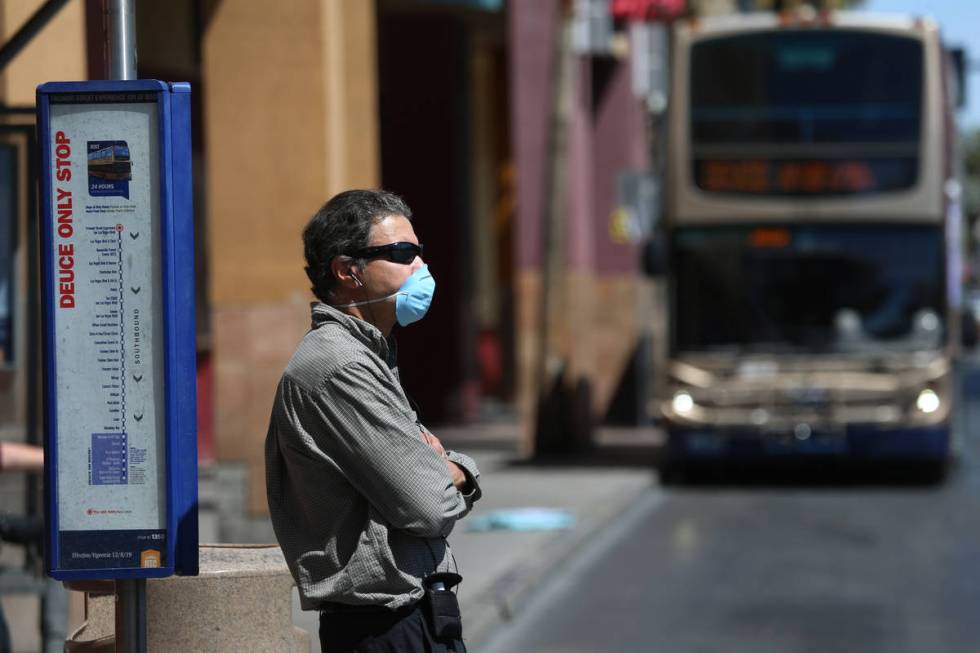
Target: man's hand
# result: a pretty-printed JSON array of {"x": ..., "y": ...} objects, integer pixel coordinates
[
  {"x": 433, "y": 442},
  {"x": 459, "y": 478}
]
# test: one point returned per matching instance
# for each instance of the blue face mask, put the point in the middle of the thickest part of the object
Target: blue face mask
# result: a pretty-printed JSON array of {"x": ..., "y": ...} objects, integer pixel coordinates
[
  {"x": 415, "y": 296},
  {"x": 412, "y": 300}
]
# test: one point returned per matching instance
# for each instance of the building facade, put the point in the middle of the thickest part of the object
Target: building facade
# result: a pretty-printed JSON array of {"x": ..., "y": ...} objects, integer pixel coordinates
[{"x": 510, "y": 149}]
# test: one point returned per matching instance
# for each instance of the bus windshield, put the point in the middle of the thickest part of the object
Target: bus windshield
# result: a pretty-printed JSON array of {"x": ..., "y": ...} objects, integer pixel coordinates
[
  {"x": 820, "y": 111},
  {"x": 808, "y": 288}
]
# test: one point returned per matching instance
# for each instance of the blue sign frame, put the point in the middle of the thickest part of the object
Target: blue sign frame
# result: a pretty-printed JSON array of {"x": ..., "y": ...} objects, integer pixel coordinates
[
  {"x": 9, "y": 207},
  {"x": 176, "y": 238}
]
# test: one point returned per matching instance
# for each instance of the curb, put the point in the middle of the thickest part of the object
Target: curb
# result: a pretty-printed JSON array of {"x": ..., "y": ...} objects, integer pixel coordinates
[{"x": 509, "y": 595}]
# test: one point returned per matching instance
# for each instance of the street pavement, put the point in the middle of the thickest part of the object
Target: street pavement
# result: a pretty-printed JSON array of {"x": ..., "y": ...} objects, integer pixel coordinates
[
  {"x": 824, "y": 559},
  {"x": 503, "y": 568}
]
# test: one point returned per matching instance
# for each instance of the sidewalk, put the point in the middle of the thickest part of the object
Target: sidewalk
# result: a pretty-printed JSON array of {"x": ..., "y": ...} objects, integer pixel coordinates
[{"x": 502, "y": 568}]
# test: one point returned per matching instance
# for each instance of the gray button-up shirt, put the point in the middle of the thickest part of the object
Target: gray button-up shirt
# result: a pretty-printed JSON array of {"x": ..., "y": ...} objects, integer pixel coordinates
[{"x": 361, "y": 505}]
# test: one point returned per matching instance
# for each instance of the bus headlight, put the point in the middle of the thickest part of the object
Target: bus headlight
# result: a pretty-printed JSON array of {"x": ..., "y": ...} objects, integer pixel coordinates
[
  {"x": 683, "y": 403},
  {"x": 928, "y": 401}
]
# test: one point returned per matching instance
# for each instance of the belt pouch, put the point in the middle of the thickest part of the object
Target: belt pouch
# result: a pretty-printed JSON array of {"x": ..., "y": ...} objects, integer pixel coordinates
[{"x": 442, "y": 607}]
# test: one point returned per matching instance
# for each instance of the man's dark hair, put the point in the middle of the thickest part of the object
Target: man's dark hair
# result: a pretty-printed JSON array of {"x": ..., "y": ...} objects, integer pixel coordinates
[{"x": 340, "y": 228}]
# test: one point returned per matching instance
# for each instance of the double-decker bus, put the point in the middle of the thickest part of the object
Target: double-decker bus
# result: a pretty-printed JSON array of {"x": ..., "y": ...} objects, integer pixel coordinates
[
  {"x": 812, "y": 228},
  {"x": 111, "y": 162}
]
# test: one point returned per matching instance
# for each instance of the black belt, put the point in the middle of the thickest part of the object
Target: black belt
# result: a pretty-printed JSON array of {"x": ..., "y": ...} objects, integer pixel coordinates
[{"x": 379, "y": 610}]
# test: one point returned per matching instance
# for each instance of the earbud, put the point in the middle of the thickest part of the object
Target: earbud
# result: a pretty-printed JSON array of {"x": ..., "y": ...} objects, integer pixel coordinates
[{"x": 360, "y": 284}]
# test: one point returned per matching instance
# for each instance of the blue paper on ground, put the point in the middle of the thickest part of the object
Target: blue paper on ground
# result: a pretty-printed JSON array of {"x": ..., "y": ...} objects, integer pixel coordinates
[{"x": 522, "y": 519}]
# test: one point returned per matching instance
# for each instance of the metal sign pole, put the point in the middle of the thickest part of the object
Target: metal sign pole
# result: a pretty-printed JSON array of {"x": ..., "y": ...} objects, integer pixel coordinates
[
  {"x": 130, "y": 593},
  {"x": 122, "y": 39},
  {"x": 131, "y": 615}
]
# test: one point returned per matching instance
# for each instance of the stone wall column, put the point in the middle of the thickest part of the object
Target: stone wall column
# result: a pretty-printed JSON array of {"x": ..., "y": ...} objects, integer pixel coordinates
[{"x": 290, "y": 119}]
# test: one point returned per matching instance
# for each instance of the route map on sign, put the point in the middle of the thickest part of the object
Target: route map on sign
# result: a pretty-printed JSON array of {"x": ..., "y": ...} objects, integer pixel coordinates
[{"x": 108, "y": 333}]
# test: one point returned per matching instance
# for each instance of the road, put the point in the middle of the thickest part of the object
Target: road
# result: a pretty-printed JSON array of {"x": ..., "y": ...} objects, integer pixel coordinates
[{"x": 827, "y": 564}]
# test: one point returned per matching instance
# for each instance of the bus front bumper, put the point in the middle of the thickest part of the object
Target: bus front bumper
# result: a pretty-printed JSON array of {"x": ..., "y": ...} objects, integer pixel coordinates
[{"x": 854, "y": 441}]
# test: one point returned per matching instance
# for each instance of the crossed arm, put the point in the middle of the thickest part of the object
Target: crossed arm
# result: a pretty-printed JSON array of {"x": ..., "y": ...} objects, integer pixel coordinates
[
  {"x": 359, "y": 423},
  {"x": 460, "y": 481}
]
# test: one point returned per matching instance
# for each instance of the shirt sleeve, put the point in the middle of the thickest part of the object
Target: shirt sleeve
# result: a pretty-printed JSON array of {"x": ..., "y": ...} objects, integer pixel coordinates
[
  {"x": 470, "y": 470},
  {"x": 472, "y": 477},
  {"x": 361, "y": 422}
]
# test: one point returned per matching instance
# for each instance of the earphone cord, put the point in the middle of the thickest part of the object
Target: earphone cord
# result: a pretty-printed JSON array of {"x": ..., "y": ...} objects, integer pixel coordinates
[
  {"x": 435, "y": 563},
  {"x": 368, "y": 302},
  {"x": 414, "y": 405}
]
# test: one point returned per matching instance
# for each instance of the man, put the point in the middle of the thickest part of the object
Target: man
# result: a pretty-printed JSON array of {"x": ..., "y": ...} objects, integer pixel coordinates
[{"x": 361, "y": 496}]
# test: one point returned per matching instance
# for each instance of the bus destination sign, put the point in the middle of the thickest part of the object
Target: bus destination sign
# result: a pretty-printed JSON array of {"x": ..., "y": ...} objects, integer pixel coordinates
[{"x": 803, "y": 176}]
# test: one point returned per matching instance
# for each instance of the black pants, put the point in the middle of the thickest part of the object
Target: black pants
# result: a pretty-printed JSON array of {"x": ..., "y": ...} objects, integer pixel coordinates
[{"x": 382, "y": 631}]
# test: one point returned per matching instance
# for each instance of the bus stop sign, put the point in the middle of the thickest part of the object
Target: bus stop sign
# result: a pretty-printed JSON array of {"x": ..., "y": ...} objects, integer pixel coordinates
[{"x": 118, "y": 329}]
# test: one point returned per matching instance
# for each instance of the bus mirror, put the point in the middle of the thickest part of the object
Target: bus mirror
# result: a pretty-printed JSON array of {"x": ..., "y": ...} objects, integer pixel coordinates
[
  {"x": 958, "y": 62},
  {"x": 655, "y": 256}
]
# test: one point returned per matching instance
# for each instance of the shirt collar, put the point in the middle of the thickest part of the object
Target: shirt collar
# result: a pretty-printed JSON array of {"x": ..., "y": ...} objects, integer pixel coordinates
[{"x": 366, "y": 332}]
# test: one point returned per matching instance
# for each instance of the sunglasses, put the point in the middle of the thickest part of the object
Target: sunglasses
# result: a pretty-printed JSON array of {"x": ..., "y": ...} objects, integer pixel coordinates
[{"x": 395, "y": 252}]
